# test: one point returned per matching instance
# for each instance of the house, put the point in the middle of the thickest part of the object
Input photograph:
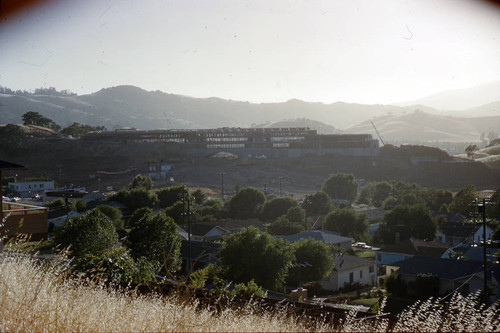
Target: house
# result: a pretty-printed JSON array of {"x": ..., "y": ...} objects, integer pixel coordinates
[
  {"x": 350, "y": 270},
  {"x": 477, "y": 253},
  {"x": 390, "y": 254},
  {"x": 326, "y": 236},
  {"x": 452, "y": 274},
  {"x": 205, "y": 232},
  {"x": 202, "y": 254},
  {"x": 27, "y": 189},
  {"x": 455, "y": 234},
  {"x": 158, "y": 170},
  {"x": 449, "y": 217},
  {"x": 57, "y": 221},
  {"x": 22, "y": 219}
]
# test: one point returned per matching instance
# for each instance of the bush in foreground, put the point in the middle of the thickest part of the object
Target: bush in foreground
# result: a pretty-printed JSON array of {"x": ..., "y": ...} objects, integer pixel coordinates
[{"x": 40, "y": 297}]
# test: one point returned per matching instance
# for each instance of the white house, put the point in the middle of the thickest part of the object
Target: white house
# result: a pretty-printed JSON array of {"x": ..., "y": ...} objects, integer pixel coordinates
[
  {"x": 26, "y": 189},
  {"x": 325, "y": 236},
  {"x": 350, "y": 270},
  {"x": 462, "y": 233},
  {"x": 407, "y": 249}
]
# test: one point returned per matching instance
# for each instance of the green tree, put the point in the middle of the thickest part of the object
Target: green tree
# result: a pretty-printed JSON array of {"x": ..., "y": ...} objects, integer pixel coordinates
[
  {"x": 35, "y": 118},
  {"x": 247, "y": 203},
  {"x": 366, "y": 195},
  {"x": 470, "y": 150},
  {"x": 211, "y": 210},
  {"x": 199, "y": 196},
  {"x": 276, "y": 207},
  {"x": 136, "y": 198},
  {"x": 178, "y": 211},
  {"x": 78, "y": 205},
  {"x": 155, "y": 237},
  {"x": 92, "y": 233},
  {"x": 295, "y": 214},
  {"x": 493, "y": 209},
  {"x": 317, "y": 203},
  {"x": 408, "y": 221},
  {"x": 76, "y": 130},
  {"x": 347, "y": 222},
  {"x": 313, "y": 261},
  {"x": 170, "y": 195},
  {"x": 116, "y": 265},
  {"x": 141, "y": 182},
  {"x": 381, "y": 192},
  {"x": 114, "y": 214},
  {"x": 435, "y": 199},
  {"x": 283, "y": 226},
  {"x": 11, "y": 139},
  {"x": 463, "y": 200},
  {"x": 254, "y": 255},
  {"x": 137, "y": 215},
  {"x": 341, "y": 186}
]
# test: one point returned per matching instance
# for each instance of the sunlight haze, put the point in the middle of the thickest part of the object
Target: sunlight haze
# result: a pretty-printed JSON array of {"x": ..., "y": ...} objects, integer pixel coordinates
[{"x": 258, "y": 51}]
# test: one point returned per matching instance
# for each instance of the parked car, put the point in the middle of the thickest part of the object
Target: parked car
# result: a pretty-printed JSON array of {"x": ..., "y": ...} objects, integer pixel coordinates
[
  {"x": 15, "y": 199},
  {"x": 36, "y": 197}
]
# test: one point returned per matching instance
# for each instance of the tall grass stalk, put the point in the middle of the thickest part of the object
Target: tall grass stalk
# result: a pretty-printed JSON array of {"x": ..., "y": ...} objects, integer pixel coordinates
[{"x": 37, "y": 296}]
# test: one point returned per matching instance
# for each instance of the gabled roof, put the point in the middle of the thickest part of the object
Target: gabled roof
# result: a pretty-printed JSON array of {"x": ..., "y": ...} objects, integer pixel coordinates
[
  {"x": 205, "y": 252},
  {"x": 451, "y": 217},
  {"x": 477, "y": 253},
  {"x": 345, "y": 262},
  {"x": 446, "y": 269},
  {"x": 462, "y": 230},
  {"x": 328, "y": 237},
  {"x": 417, "y": 246},
  {"x": 217, "y": 231}
]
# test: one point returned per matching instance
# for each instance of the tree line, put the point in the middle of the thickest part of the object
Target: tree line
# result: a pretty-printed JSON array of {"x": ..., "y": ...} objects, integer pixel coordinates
[{"x": 148, "y": 243}]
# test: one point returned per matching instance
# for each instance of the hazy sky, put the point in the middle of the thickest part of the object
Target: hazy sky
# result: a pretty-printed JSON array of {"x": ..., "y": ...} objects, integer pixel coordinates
[{"x": 362, "y": 51}]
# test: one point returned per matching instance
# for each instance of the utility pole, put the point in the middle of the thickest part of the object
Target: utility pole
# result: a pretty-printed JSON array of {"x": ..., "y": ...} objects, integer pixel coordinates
[
  {"x": 222, "y": 186},
  {"x": 281, "y": 192},
  {"x": 185, "y": 196},
  {"x": 481, "y": 206}
]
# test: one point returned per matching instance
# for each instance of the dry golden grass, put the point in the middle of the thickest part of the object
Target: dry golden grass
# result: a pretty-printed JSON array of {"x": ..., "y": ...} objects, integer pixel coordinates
[{"x": 38, "y": 297}]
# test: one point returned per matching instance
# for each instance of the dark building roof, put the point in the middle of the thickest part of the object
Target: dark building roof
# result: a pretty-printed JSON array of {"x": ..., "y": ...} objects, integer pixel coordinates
[
  {"x": 328, "y": 237},
  {"x": 461, "y": 230},
  {"x": 344, "y": 262},
  {"x": 4, "y": 165},
  {"x": 204, "y": 252},
  {"x": 450, "y": 217},
  {"x": 417, "y": 246},
  {"x": 477, "y": 253},
  {"x": 446, "y": 269}
]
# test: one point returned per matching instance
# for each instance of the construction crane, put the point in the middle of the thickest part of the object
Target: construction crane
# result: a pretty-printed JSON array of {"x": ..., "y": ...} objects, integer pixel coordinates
[{"x": 379, "y": 136}]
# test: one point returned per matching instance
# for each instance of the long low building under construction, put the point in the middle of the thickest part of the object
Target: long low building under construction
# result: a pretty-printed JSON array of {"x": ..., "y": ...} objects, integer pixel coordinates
[{"x": 292, "y": 142}]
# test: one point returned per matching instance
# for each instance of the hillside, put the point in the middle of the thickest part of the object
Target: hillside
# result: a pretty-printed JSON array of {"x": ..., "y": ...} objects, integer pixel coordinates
[
  {"x": 129, "y": 106},
  {"x": 302, "y": 122},
  {"x": 461, "y": 99},
  {"x": 419, "y": 126}
]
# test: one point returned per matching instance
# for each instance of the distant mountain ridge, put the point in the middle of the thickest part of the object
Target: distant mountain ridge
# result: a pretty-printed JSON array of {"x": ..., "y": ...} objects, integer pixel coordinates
[
  {"x": 129, "y": 106},
  {"x": 420, "y": 126},
  {"x": 463, "y": 99}
]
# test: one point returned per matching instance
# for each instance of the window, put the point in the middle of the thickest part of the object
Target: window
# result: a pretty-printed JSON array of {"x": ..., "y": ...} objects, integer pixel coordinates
[
  {"x": 41, "y": 185},
  {"x": 351, "y": 277},
  {"x": 372, "y": 269},
  {"x": 360, "y": 274},
  {"x": 379, "y": 257}
]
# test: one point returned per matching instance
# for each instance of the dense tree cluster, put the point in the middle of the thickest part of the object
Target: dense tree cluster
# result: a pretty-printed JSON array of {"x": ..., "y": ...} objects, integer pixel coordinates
[{"x": 341, "y": 186}]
